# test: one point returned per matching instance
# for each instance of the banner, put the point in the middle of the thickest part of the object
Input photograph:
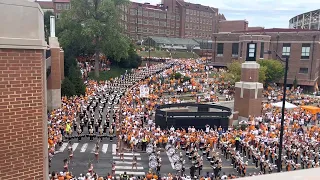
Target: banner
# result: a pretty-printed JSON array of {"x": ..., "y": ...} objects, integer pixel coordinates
[{"x": 144, "y": 91}]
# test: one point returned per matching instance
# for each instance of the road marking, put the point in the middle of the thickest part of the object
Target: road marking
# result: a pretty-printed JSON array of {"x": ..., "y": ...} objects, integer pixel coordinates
[
  {"x": 105, "y": 148},
  {"x": 63, "y": 147},
  {"x": 114, "y": 148},
  {"x": 74, "y": 146},
  {"x": 126, "y": 158},
  {"x": 129, "y": 154},
  {"x": 84, "y": 147},
  {"x": 124, "y": 162},
  {"x": 130, "y": 172},
  {"x": 128, "y": 167},
  {"x": 172, "y": 165}
]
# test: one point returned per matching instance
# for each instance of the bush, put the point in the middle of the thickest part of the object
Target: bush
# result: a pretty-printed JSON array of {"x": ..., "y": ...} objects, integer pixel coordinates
[
  {"x": 67, "y": 88},
  {"x": 186, "y": 78},
  {"x": 176, "y": 75}
]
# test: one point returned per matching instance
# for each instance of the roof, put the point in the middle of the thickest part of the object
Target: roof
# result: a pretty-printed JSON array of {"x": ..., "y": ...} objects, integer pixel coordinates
[
  {"x": 202, "y": 40},
  {"x": 195, "y": 6},
  {"x": 176, "y": 41},
  {"x": 45, "y": 4},
  {"x": 275, "y": 30}
]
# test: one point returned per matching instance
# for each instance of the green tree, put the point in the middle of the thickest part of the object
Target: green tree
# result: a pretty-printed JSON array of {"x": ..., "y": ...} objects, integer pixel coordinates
[
  {"x": 234, "y": 73},
  {"x": 76, "y": 79},
  {"x": 274, "y": 70},
  {"x": 46, "y": 18},
  {"x": 295, "y": 82},
  {"x": 99, "y": 25},
  {"x": 67, "y": 88}
]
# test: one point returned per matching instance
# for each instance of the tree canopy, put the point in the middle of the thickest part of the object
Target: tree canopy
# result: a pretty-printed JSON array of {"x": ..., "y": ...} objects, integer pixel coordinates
[
  {"x": 93, "y": 27},
  {"x": 271, "y": 71}
]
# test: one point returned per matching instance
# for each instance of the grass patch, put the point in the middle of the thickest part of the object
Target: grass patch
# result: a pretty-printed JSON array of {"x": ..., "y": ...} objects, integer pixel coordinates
[
  {"x": 165, "y": 54},
  {"x": 115, "y": 71}
]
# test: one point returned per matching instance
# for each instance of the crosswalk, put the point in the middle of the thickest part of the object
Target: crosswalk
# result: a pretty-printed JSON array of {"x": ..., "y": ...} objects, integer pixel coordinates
[
  {"x": 125, "y": 165},
  {"x": 121, "y": 166}
]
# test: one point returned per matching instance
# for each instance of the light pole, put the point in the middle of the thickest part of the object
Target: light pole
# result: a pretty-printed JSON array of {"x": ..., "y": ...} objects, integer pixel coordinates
[
  {"x": 279, "y": 163},
  {"x": 149, "y": 39}
]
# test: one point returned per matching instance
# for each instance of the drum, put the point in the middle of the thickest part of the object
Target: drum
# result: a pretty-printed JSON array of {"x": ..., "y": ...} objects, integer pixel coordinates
[
  {"x": 149, "y": 150},
  {"x": 153, "y": 164},
  {"x": 171, "y": 151},
  {"x": 178, "y": 166},
  {"x": 152, "y": 157},
  {"x": 168, "y": 146},
  {"x": 175, "y": 157},
  {"x": 187, "y": 153}
]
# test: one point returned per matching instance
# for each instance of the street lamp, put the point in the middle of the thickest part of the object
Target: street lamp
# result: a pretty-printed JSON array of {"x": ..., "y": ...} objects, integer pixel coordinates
[{"x": 279, "y": 163}]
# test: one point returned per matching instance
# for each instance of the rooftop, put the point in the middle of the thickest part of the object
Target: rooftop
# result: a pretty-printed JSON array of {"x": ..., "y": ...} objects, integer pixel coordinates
[
  {"x": 45, "y": 4},
  {"x": 275, "y": 30},
  {"x": 175, "y": 41}
]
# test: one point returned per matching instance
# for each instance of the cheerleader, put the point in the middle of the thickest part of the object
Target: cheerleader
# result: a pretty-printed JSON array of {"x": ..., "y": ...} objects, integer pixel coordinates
[
  {"x": 134, "y": 162},
  {"x": 96, "y": 152},
  {"x": 70, "y": 151},
  {"x": 90, "y": 170},
  {"x": 65, "y": 166}
]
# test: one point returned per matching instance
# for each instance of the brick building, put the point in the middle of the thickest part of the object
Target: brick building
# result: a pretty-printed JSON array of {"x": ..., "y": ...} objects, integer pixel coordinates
[
  {"x": 23, "y": 119},
  {"x": 302, "y": 46},
  {"x": 171, "y": 18}
]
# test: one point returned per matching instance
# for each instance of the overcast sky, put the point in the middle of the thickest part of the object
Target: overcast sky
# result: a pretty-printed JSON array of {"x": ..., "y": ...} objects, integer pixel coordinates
[{"x": 267, "y": 13}]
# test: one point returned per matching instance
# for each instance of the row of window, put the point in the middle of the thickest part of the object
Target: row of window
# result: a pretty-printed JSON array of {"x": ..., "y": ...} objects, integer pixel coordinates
[
  {"x": 155, "y": 31},
  {"x": 198, "y": 13},
  {"x": 286, "y": 49},
  {"x": 62, "y": 6},
  {"x": 197, "y": 34},
  {"x": 198, "y": 20},
  {"x": 197, "y": 27},
  {"x": 145, "y": 13},
  {"x": 155, "y": 23}
]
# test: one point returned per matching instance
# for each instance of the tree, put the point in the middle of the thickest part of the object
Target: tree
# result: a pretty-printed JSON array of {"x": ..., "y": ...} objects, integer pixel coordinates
[
  {"x": 234, "y": 73},
  {"x": 67, "y": 88},
  {"x": 274, "y": 70},
  {"x": 46, "y": 18},
  {"x": 97, "y": 21},
  {"x": 76, "y": 79},
  {"x": 295, "y": 82}
]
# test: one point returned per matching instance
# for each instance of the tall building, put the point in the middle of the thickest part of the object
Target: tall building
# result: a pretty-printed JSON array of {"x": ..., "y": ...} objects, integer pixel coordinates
[{"x": 171, "y": 18}]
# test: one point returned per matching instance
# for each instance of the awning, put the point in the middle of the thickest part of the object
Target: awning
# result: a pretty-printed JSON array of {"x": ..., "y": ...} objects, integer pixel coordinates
[
  {"x": 311, "y": 109},
  {"x": 287, "y": 105}
]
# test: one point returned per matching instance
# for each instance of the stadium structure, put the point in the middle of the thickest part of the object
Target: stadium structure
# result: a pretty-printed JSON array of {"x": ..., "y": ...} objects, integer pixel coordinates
[{"x": 307, "y": 20}]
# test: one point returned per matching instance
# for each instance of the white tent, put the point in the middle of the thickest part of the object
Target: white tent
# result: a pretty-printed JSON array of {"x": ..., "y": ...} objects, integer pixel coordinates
[{"x": 287, "y": 105}]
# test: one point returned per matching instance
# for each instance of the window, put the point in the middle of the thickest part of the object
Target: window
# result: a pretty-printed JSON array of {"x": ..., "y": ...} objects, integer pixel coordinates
[
  {"x": 220, "y": 49},
  {"x": 241, "y": 46},
  {"x": 235, "y": 49},
  {"x": 305, "y": 51},
  {"x": 145, "y": 13},
  {"x": 133, "y": 11},
  {"x": 151, "y": 14},
  {"x": 262, "y": 50},
  {"x": 156, "y": 23},
  {"x": 139, "y": 21},
  {"x": 303, "y": 70},
  {"x": 156, "y": 15},
  {"x": 286, "y": 49},
  {"x": 58, "y": 6},
  {"x": 58, "y": 15}
]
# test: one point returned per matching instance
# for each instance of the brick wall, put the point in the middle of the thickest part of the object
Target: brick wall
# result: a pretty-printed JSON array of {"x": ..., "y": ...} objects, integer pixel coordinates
[
  {"x": 230, "y": 26},
  {"x": 22, "y": 103}
]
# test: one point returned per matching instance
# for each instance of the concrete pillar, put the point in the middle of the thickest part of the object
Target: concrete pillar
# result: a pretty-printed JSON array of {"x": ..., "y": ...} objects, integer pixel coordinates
[
  {"x": 23, "y": 119},
  {"x": 54, "y": 79}
]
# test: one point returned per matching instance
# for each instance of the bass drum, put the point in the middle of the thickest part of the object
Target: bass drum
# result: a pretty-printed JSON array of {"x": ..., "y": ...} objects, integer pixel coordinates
[
  {"x": 168, "y": 146},
  {"x": 149, "y": 150},
  {"x": 175, "y": 158},
  {"x": 152, "y": 157},
  {"x": 153, "y": 164},
  {"x": 171, "y": 151},
  {"x": 178, "y": 166}
]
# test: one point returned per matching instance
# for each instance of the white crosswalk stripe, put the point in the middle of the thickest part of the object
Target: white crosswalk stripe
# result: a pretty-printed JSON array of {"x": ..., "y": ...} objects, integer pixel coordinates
[
  {"x": 84, "y": 147},
  {"x": 126, "y": 158},
  {"x": 74, "y": 146},
  {"x": 128, "y": 167},
  {"x": 105, "y": 148},
  {"x": 130, "y": 173},
  {"x": 114, "y": 148},
  {"x": 63, "y": 147},
  {"x": 125, "y": 162}
]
